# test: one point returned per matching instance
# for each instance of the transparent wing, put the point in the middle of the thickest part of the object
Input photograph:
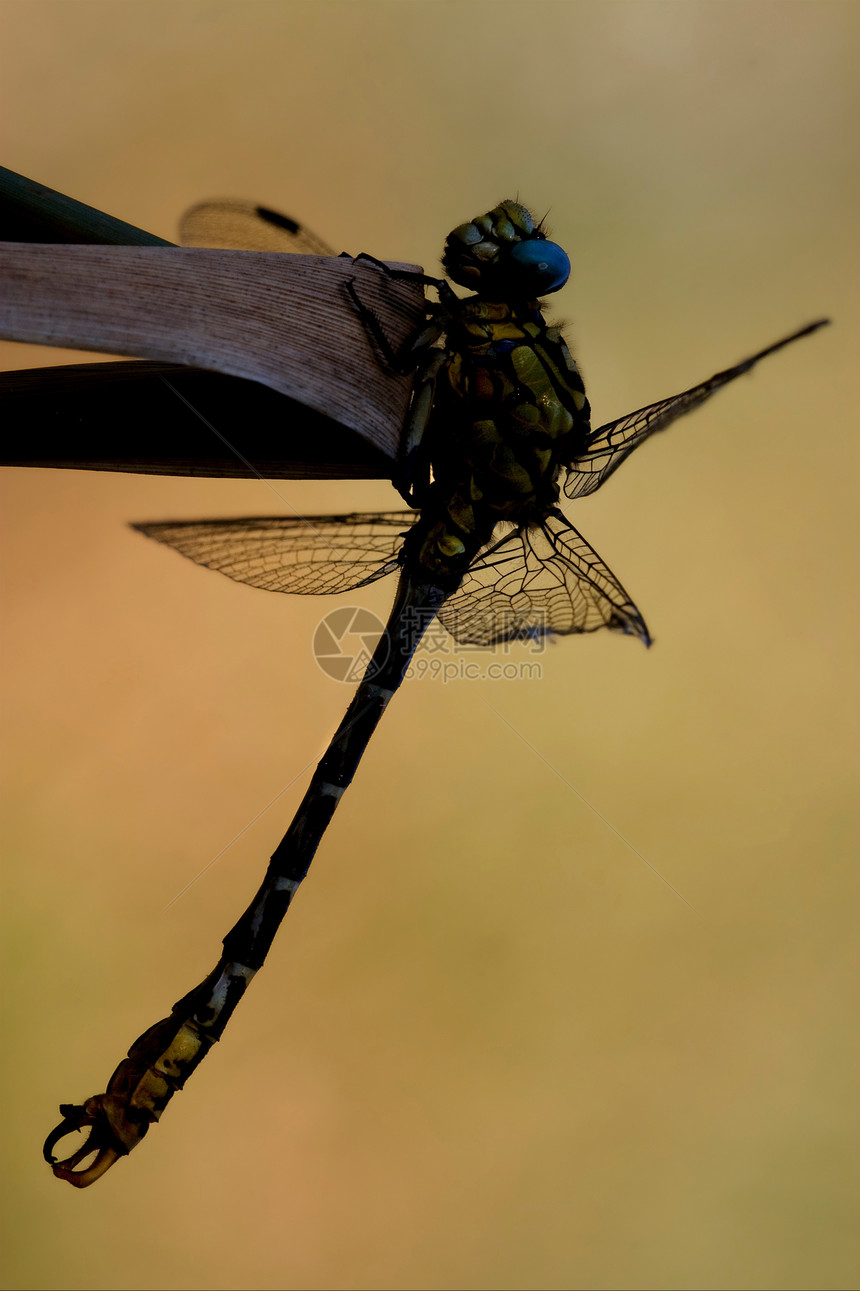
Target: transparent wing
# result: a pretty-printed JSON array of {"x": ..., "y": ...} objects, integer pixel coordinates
[
  {"x": 242, "y": 226},
  {"x": 538, "y": 582},
  {"x": 610, "y": 444},
  {"x": 315, "y": 556}
]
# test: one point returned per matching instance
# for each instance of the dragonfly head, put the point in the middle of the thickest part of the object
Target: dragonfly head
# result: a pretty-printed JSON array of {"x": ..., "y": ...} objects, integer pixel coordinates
[{"x": 504, "y": 255}]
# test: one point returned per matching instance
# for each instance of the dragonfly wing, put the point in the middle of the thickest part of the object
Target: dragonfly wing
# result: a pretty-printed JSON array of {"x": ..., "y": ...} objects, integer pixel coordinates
[
  {"x": 539, "y": 582},
  {"x": 242, "y": 226},
  {"x": 315, "y": 556},
  {"x": 608, "y": 446}
]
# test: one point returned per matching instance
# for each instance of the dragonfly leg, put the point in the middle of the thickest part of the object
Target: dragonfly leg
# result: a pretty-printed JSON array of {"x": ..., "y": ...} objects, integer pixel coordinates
[
  {"x": 402, "y": 275},
  {"x": 439, "y": 317},
  {"x": 409, "y": 357},
  {"x": 448, "y": 298},
  {"x": 411, "y": 475},
  {"x": 375, "y": 331}
]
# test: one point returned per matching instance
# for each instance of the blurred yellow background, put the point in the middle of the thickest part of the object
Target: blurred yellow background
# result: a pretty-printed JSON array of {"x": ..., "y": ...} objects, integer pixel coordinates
[{"x": 491, "y": 1048}]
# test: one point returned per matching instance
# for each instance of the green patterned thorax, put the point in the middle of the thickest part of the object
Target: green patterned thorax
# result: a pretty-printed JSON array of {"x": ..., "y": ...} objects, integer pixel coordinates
[{"x": 510, "y": 407}]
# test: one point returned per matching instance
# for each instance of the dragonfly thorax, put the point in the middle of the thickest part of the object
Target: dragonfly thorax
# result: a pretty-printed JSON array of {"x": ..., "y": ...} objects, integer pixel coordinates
[{"x": 510, "y": 411}]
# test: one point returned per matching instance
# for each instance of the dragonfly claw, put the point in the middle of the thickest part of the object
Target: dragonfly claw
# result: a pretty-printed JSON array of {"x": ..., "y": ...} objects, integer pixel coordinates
[{"x": 98, "y": 1140}]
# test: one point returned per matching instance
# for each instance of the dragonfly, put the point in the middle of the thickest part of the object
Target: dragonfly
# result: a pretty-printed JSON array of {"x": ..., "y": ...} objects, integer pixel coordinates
[{"x": 498, "y": 427}]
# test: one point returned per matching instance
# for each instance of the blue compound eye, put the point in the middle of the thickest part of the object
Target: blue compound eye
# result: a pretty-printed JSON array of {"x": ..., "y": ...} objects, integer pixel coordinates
[{"x": 536, "y": 267}]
